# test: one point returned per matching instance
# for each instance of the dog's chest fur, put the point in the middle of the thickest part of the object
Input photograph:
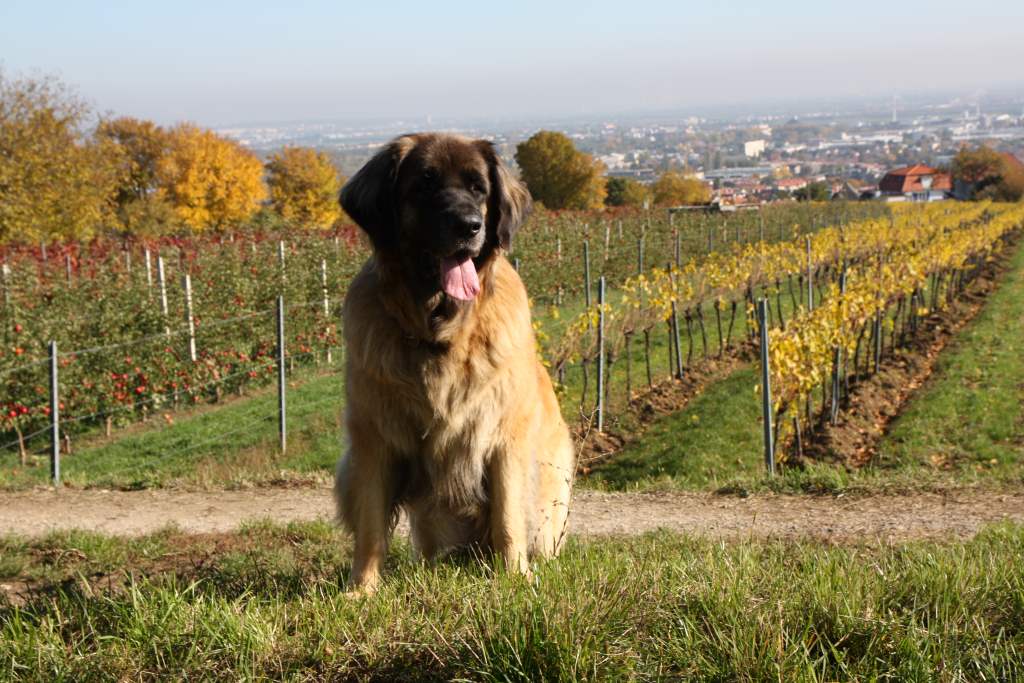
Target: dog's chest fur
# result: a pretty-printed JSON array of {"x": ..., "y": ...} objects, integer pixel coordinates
[{"x": 436, "y": 402}]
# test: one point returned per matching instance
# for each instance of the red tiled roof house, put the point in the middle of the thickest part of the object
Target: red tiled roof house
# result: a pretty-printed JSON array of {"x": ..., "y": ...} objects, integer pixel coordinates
[{"x": 917, "y": 183}]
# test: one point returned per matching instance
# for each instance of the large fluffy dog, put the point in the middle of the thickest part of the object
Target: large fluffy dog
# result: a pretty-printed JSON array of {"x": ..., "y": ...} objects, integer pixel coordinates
[{"x": 450, "y": 415}]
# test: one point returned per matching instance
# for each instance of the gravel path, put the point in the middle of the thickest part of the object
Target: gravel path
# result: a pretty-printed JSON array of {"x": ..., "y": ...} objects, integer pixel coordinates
[{"x": 833, "y": 519}]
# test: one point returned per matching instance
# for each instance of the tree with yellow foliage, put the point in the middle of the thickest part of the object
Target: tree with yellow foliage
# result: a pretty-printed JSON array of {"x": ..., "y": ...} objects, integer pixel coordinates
[
  {"x": 304, "y": 187},
  {"x": 55, "y": 182},
  {"x": 140, "y": 146},
  {"x": 675, "y": 189},
  {"x": 211, "y": 182},
  {"x": 559, "y": 175}
]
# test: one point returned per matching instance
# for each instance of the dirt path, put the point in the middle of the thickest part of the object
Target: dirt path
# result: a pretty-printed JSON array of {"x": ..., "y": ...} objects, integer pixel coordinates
[{"x": 843, "y": 519}]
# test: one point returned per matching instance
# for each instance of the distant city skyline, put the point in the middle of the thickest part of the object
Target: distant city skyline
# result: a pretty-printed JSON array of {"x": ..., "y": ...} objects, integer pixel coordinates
[{"x": 232, "y": 63}]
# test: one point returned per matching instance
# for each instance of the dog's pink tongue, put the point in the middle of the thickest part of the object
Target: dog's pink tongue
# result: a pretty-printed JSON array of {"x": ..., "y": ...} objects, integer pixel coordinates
[{"x": 458, "y": 277}]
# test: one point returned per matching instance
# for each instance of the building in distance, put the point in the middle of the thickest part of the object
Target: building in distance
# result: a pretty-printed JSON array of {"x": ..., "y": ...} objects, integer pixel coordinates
[{"x": 917, "y": 183}]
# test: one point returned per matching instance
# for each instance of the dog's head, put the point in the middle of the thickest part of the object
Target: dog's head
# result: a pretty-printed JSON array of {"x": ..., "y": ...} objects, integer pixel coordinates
[{"x": 441, "y": 204}]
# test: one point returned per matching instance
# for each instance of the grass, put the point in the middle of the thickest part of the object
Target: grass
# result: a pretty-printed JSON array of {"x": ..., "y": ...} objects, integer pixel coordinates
[
  {"x": 225, "y": 445},
  {"x": 712, "y": 441},
  {"x": 268, "y": 602},
  {"x": 968, "y": 421}
]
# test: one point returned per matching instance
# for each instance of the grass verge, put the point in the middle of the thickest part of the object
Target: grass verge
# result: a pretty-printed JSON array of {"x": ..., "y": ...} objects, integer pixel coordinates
[
  {"x": 968, "y": 421},
  {"x": 225, "y": 445},
  {"x": 268, "y": 602}
]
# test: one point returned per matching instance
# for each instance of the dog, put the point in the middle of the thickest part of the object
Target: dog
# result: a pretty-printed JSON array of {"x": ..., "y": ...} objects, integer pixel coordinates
[{"x": 451, "y": 416}]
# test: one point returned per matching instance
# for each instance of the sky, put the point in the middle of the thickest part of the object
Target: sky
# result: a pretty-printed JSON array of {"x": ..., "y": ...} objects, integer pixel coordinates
[{"x": 227, "y": 63}]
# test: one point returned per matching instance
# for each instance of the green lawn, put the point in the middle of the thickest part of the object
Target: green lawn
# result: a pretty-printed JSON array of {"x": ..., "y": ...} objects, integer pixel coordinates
[
  {"x": 968, "y": 421},
  {"x": 223, "y": 445},
  {"x": 712, "y": 441},
  {"x": 268, "y": 602}
]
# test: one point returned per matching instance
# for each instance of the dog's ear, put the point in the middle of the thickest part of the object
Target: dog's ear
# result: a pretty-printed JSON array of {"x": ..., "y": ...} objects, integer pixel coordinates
[
  {"x": 509, "y": 203},
  {"x": 369, "y": 196}
]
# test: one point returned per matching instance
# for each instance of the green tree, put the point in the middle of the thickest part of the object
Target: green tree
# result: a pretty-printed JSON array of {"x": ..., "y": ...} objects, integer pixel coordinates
[
  {"x": 559, "y": 175},
  {"x": 626, "y": 192},
  {"x": 55, "y": 181},
  {"x": 304, "y": 187},
  {"x": 815, "y": 192},
  {"x": 675, "y": 189},
  {"x": 141, "y": 146}
]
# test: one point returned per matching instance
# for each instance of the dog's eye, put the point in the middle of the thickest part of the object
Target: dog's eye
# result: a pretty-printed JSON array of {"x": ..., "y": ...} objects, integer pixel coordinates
[
  {"x": 478, "y": 188},
  {"x": 429, "y": 176}
]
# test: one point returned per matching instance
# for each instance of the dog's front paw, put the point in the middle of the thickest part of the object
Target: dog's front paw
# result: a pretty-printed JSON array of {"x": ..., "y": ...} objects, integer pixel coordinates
[{"x": 362, "y": 587}]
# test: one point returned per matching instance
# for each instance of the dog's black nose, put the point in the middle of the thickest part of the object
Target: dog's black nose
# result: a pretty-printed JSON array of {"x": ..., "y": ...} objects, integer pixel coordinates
[{"x": 468, "y": 224}]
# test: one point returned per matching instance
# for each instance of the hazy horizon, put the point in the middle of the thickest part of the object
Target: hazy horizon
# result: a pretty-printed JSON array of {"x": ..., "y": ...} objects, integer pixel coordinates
[{"x": 241, "y": 63}]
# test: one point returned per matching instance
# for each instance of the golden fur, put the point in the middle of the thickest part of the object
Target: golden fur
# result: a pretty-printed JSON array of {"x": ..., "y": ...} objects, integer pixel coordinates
[{"x": 451, "y": 416}]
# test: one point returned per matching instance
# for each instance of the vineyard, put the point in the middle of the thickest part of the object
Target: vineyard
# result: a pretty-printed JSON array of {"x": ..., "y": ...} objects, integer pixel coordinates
[
  {"x": 621, "y": 302},
  {"x": 848, "y": 288}
]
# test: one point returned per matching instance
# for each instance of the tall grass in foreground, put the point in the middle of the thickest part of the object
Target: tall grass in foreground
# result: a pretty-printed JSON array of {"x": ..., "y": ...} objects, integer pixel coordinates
[{"x": 269, "y": 603}]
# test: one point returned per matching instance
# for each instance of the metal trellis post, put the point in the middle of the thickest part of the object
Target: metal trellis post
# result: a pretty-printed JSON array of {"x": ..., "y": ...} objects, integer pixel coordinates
[
  {"x": 600, "y": 354},
  {"x": 766, "y": 391},
  {"x": 586, "y": 270},
  {"x": 189, "y": 318},
  {"x": 281, "y": 408},
  {"x": 162, "y": 282},
  {"x": 54, "y": 417}
]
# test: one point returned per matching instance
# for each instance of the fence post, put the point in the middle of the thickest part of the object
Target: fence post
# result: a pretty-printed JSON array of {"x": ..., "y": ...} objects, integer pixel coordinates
[
  {"x": 162, "y": 282},
  {"x": 675, "y": 341},
  {"x": 600, "y": 355},
  {"x": 149, "y": 270},
  {"x": 327, "y": 302},
  {"x": 760, "y": 218},
  {"x": 515, "y": 263},
  {"x": 558, "y": 250},
  {"x": 54, "y": 417},
  {"x": 189, "y": 318},
  {"x": 280, "y": 260},
  {"x": 878, "y": 339},
  {"x": 639, "y": 255},
  {"x": 679, "y": 249},
  {"x": 810, "y": 275},
  {"x": 837, "y": 359},
  {"x": 607, "y": 238},
  {"x": 586, "y": 270},
  {"x": 67, "y": 267},
  {"x": 766, "y": 391},
  {"x": 5, "y": 271},
  {"x": 281, "y": 414}
]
